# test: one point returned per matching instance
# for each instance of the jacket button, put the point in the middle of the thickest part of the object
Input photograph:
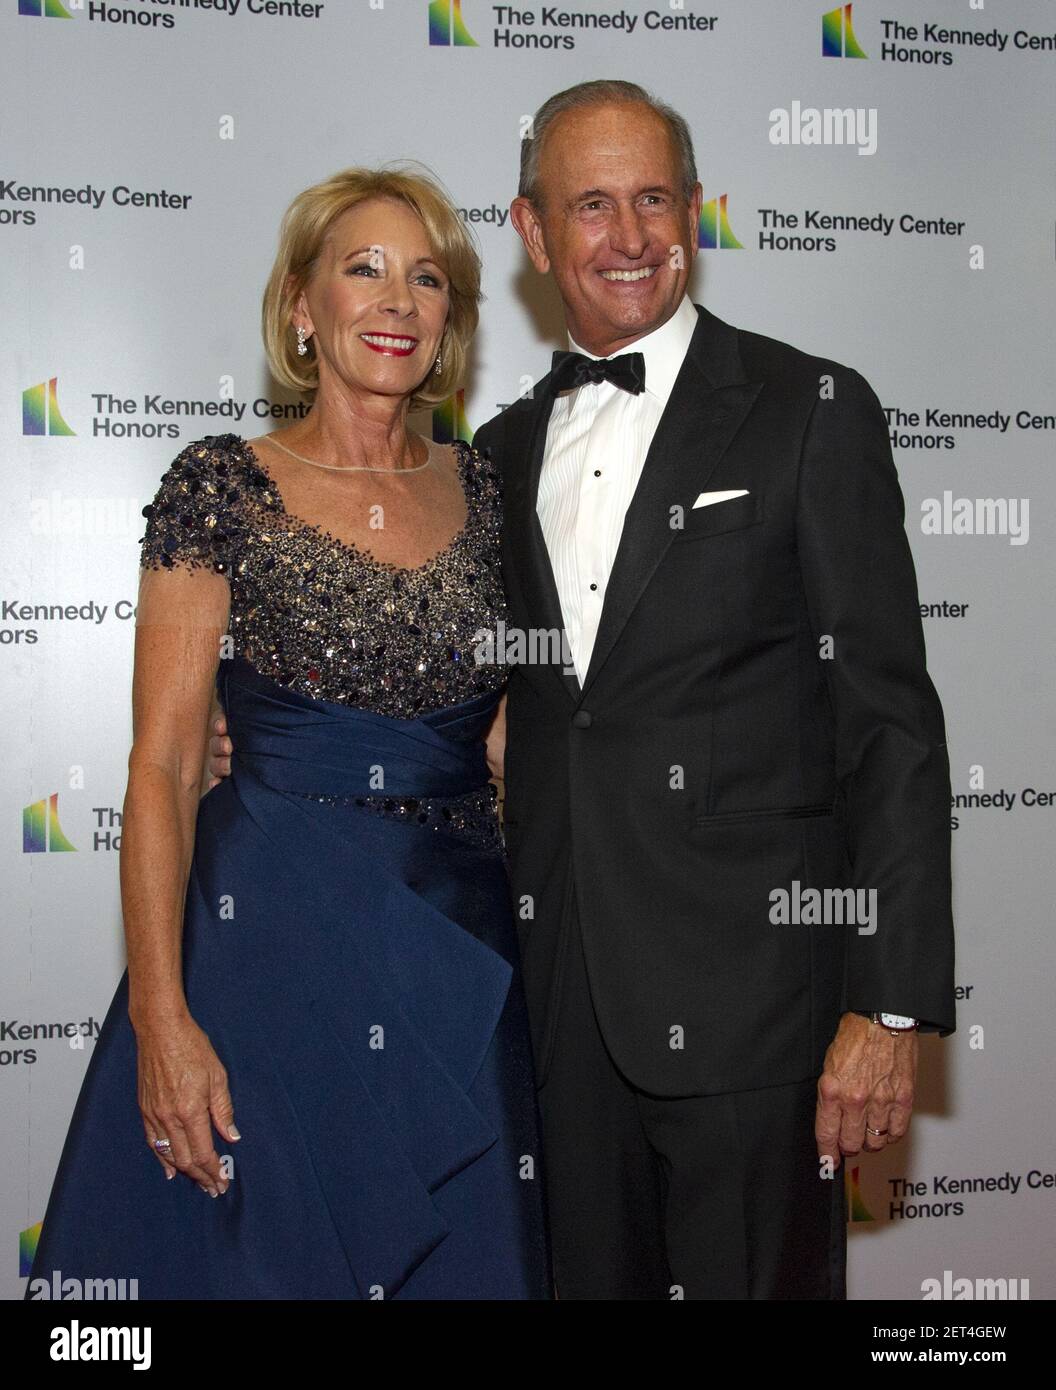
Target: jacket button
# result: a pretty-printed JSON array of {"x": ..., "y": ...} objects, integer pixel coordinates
[{"x": 582, "y": 719}]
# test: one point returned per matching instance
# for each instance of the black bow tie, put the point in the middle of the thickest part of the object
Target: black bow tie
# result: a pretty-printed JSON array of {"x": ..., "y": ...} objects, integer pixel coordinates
[{"x": 572, "y": 369}]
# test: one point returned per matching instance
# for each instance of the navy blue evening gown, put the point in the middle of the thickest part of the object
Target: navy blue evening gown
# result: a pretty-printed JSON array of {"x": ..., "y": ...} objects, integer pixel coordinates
[{"x": 349, "y": 949}]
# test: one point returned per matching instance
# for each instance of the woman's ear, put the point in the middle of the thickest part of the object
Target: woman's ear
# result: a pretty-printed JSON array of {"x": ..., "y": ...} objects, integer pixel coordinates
[{"x": 300, "y": 316}]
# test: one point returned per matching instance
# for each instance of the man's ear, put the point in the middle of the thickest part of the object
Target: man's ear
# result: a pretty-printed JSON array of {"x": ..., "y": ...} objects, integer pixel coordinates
[
  {"x": 529, "y": 228},
  {"x": 694, "y": 214}
]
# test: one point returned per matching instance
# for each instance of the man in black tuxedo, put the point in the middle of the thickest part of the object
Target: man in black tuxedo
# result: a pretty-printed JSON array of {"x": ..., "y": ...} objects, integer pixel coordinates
[{"x": 740, "y": 726}]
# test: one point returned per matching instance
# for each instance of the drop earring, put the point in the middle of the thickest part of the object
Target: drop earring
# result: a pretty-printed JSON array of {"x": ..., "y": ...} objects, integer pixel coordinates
[
  {"x": 439, "y": 365},
  {"x": 302, "y": 347}
]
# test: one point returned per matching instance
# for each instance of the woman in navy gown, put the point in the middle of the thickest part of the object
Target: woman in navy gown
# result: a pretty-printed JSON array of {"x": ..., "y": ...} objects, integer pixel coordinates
[{"x": 322, "y": 948}]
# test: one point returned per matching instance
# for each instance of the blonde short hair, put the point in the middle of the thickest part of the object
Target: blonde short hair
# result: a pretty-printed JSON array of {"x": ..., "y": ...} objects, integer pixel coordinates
[{"x": 303, "y": 232}]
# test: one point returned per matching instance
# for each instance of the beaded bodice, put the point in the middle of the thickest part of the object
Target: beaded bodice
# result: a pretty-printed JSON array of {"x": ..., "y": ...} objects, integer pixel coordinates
[
  {"x": 322, "y": 616},
  {"x": 330, "y": 620}
]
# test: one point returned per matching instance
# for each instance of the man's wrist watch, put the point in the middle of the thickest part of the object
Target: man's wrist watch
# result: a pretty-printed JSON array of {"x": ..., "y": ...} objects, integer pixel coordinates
[{"x": 894, "y": 1023}]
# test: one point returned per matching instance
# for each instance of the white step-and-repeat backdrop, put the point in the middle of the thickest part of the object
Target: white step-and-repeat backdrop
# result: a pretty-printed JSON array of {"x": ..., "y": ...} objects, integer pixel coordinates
[{"x": 879, "y": 186}]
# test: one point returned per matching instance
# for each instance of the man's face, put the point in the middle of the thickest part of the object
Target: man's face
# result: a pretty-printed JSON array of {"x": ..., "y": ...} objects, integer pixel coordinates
[{"x": 614, "y": 225}]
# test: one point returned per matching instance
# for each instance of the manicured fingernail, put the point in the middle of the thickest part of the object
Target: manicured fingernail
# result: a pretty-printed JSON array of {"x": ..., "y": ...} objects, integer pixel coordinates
[
  {"x": 170, "y": 1173},
  {"x": 232, "y": 1132}
]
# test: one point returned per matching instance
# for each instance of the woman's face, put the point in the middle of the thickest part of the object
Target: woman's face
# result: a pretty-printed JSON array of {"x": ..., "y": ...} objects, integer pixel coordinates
[{"x": 377, "y": 304}]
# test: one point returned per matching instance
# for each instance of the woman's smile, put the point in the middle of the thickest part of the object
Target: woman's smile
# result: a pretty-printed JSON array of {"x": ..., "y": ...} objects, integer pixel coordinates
[{"x": 390, "y": 345}]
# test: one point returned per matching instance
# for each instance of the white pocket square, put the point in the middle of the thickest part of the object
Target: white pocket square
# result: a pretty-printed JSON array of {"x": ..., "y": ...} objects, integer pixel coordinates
[{"x": 707, "y": 498}]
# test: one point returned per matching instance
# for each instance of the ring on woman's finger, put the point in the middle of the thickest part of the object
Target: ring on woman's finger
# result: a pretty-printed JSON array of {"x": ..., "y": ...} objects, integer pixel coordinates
[
  {"x": 877, "y": 1132},
  {"x": 163, "y": 1146}
]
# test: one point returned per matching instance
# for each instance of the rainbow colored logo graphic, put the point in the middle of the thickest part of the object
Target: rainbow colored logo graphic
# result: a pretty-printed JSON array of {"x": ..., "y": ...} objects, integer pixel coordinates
[
  {"x": 713, "y": 230},
  {"x": 449, "y": 420},
  {"x": 447, "y": 28},
  {"x": 837, "y": 35},
  {"x": 48, "y": 9},
  {"x": 27, "y": 1248},
  {"x": 856, "y": 1208},
  {"x": 40, "y": 410},
  {"x": 41, "y": 831}
]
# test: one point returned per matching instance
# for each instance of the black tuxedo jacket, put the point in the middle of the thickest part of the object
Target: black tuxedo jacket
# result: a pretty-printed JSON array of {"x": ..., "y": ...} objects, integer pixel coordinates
[{"x": 756, "y": 717}]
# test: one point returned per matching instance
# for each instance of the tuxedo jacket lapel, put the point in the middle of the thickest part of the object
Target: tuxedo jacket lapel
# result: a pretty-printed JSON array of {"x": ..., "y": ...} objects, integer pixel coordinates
[
  {"x": 526, "y": 542},
  {"x": 708, "y": 404}
]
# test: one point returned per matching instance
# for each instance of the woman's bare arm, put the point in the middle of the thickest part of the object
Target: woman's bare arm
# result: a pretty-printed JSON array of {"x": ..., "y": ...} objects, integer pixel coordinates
[{"x": 182, "y": 615}]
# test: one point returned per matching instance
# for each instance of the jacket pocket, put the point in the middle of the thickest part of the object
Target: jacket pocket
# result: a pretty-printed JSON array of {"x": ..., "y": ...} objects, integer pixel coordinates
[
  {"x": 821, "y": 808},
  {"x": 720, "y": 517}
]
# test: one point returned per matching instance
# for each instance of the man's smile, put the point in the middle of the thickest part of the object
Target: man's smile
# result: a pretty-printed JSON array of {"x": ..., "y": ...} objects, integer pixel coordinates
[{"x": 644, "y": 272}]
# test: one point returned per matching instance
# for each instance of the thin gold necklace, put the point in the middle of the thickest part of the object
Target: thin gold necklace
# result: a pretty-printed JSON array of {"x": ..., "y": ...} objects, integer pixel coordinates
[{"x": 354, "y": 468}]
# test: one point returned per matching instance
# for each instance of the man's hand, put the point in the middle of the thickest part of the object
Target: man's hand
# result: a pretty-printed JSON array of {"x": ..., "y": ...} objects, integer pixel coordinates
[
  {"x": 218, "y": 764},
  {"x": 868, "y": 1081}
]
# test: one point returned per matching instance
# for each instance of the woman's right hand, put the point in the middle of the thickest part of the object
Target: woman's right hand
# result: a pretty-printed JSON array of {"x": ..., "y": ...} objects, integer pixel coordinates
[
  {"x": 218, "y": 764},
  {"x": 182, "y": 1087}
]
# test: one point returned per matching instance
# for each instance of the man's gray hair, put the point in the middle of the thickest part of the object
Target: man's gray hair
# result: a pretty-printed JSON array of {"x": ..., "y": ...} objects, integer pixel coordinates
[{"x": 603, "y": 92}]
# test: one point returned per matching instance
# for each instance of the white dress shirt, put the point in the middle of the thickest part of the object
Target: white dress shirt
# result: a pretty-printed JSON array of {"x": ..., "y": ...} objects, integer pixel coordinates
[{"x": 596, "y": 445}]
